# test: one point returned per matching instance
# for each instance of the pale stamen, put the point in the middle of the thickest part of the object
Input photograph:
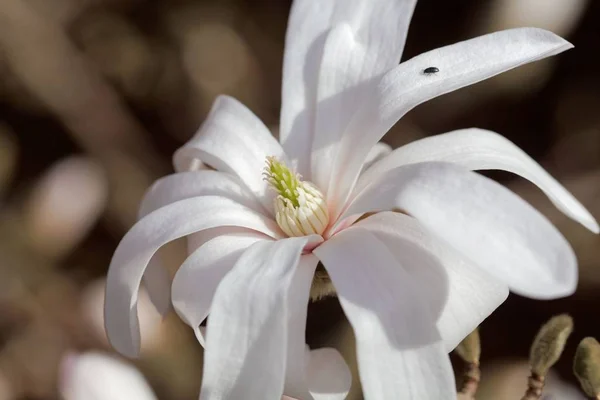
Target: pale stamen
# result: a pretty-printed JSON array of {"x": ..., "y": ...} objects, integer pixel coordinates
[{"x": 300, "y": 208}]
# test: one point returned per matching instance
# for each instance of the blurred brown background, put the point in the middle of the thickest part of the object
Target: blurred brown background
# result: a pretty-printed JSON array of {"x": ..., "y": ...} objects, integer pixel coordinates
[{"x": 95, "y": 95}]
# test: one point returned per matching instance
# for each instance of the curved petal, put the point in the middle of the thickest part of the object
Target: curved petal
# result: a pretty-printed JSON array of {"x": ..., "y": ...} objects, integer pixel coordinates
[
  {"x": 379, "y": 25},
  {"x": 460, "y": 294},
  {"x": 145, "y": 238},
  {"x": 245, "y": 355},
  {"x": 232, "y": 139},
  {"x": 196, "y": 281},
  {"x": 406, "y": 86},
  {"x": 298, "y": 297},
  {"x": 479, "y": 149},
  {"x": 181, "y": 186},
  {"x": 400, "y": 353},
  {"x": 328, "y": 375},
  {"x": 489, "y": 224},
  {"x": 377, "y": 152},
  {"x": 184, "y": 185}
]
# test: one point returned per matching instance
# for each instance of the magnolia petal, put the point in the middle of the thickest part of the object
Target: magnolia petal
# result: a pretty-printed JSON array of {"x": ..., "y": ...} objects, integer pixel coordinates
[
  {"x": 181, "y": 186},
  {"x": 377, "y": 152},
  {"x": 184, "y": 185},
  {"x": 460, "y": 294},
  {"x": 145, "y": 238},
  {"x": 298, "y": 297},
  {"x": 328, "y": 375},
  {"x": 232, "y": 139},
  {"x": 489, "y": 224},
  {"x": 379, "y": 25},
  {"x": 478, "y": 149},
  {"x": 177, "y": 187},
  {"x": 406, "y": 86},
  {"x": 245, "y": 355},
  {"x": 338, "y": 96},
  {"x": 196, "y": 281},
  {"x": 400, "y": 353}
]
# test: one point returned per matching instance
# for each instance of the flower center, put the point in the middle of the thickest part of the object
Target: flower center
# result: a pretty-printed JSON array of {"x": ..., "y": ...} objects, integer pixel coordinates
[{"x": 300, "y": 208}]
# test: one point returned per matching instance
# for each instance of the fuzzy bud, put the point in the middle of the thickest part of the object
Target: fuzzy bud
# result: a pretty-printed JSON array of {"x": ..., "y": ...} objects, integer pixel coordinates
[
  {"x": 586, "y": 366},
  {"x": 549, "y": 343}
]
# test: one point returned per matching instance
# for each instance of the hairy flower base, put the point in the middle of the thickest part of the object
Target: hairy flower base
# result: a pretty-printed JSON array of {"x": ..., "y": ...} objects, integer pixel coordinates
[{"x": 321, "y": 286}]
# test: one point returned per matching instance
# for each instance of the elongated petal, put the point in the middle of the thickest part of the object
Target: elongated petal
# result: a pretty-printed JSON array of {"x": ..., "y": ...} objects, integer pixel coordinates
[
  {"x": 380, "y": 26},
  {"x": 181, "y": 186},
  {"x": 184, "y": 185},
  {"x": 298, "y": 297},
  {"x": 479, "y": 149},
  {"x": 328, "y": 375},
  {"x": 145, "y": 238},
  {"x": 488, "y": 223},
  {"x": 196, "y": 281},
  {"x": 232, "y": 139},
  {"x": 377, "y": 152},
  {"x": 400, "y": 353},
  {"x": 406, "y": 86},
  {"x": 247, "y": 334},
  {"x": 338, "y": 95},
  {"x": 460, "y": 294}
]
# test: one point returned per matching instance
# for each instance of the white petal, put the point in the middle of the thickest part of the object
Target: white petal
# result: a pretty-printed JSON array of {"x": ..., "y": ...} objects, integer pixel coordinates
[
  {"x": 232, "y": 139},
  {"x": 181, "y": 186},
  {"x": 197, "y": 279},
  {"x": 328, "y": 375},
  {"x": 298, "y": 297},
  {"x": 460, "y": 294},
  {"x": 400, "y": 353},
  {"x": 145, "y": 238},
  {"x": 479, "y": 149},
  {"x": 339, "y": 93},
  {"x": 406, "y": 86},
  {"x": 377, "y": 152},
  {"x": 380, "y": 26},
  {"x": 245, "y": 355},
  {"x": 95, "y": 376},
  {"x": 489, "y": 224},
  {"x": 184, "y": 185}
]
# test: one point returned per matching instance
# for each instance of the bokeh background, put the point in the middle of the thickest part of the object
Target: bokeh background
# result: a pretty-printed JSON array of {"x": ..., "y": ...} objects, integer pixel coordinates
[{"x": 95, "y": 96}]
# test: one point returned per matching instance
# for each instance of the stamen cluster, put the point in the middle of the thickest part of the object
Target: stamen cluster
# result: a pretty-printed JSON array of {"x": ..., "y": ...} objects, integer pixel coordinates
[{"x": 300, "y": 208}]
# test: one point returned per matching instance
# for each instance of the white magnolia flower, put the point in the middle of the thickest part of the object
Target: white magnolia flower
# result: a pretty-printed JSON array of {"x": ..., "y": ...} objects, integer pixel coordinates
[
  {"x": 412, "y": 283},
  {"x": 96, "y": 376}
]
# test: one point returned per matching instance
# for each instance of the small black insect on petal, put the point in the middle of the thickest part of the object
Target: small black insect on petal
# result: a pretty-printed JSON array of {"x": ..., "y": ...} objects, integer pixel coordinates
[{"x": 431, "y": 70}]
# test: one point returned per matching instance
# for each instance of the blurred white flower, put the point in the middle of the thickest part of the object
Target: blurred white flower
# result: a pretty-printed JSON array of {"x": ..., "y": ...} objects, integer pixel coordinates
[
  {"x": 556, "y": 15},
  {"x": 96, "y": 376},
  {"x": 412, "y": 284},
  {"x": 6, "y": 389},
  {"x": 66, "y": 204}
]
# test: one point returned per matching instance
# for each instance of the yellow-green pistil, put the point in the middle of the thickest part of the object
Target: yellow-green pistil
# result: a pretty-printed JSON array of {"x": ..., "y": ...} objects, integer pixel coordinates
[{"x": 300, "y": 208}]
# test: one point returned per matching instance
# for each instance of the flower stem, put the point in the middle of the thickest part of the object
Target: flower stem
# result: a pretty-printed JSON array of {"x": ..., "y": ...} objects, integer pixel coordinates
[
  {"x": 471, "y": 379},
  {"x": 535, "y": 386}
]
